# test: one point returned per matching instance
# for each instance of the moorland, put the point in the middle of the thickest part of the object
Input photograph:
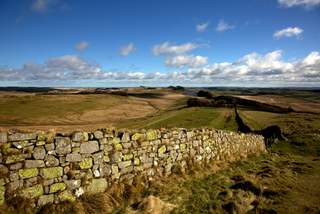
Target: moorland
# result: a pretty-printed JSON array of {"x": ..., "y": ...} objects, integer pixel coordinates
[{"x": 285, "y": 180}]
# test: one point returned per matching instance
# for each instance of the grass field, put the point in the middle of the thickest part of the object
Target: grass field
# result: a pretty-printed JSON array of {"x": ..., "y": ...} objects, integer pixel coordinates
[
  {"x": 289, "y": 123},
  {"x": 219, "y": 118}
]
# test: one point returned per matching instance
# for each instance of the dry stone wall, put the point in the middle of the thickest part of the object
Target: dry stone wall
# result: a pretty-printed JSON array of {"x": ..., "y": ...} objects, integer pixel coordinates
[{"x": 49, "y": 168}]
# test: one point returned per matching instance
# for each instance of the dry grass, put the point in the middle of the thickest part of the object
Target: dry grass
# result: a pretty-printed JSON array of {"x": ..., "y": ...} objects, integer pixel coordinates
[{"x": 29, "y": 111}]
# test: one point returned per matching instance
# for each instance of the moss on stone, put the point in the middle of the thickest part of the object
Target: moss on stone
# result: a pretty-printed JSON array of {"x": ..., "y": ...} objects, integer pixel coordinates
[
  {"x": 136, "y": 161},
  {"x": 151, "y": 135},
  {"x": 183, "y": 147},
  {"x": 32, "y": 192},
  {"x": 40, "y": 143},
  {"x": 57, "y": 187},
  {"x": 137, "y": 136},
  {"x": 86, "y": 163},
  {"x": 127, "y": 157},
  {"x": 106, "y": 158},
  {"x": 2, "y": 194},
  {"x": 162, "y": 149},
  {"x": 66, "y": 196},
  {"x": 52, "y": 172},
  {"x": 97, "y": 186},
  {"x": 15, "y": 158},
  {"x": 116, "y": 140},
  {"x": 28, "y": 173},
  {"x": 118, "y": 147}
]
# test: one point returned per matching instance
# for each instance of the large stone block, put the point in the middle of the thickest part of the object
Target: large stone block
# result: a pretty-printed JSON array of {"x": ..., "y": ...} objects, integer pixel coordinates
[
  {"x": 66, "y": 196},
  {"x": 22, "y": 144},
  {"x": 22, "y": 136},
  {"x": 98, "y": 134},
  {"x": 16, "y": 158},
  {"x": 72, "y": 184},
  {"x": 124, "y": 164},
  {"x": 152, "y": 135},
  {"x": 73, "y": 157},
  {"x": 32, "y": 192},
  {"x": 97, "y": 186},
  {"x": 63, "y": 145},
  {"x": 52, "y": 172},
  {"x": 45, "y": 199},
  {"x": 80, "y": 136},
  {"x": 34, "y": 163},
  {"x": 89, "y": 147},
  {"x": 39, "y": 153},
  {"x": 57, "y": 187},
  {"x": 51, "y": 161},
  {"x": 3, "y": 137},
  {"x": 28, "y": 173}
]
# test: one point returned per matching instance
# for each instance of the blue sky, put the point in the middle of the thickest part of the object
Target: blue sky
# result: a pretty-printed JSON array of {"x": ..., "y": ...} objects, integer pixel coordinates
[{"x": 204, "y": 42}]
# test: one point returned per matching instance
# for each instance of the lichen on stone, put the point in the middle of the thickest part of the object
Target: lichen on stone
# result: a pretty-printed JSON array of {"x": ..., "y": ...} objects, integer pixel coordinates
[{"x": 86, "y": 163}]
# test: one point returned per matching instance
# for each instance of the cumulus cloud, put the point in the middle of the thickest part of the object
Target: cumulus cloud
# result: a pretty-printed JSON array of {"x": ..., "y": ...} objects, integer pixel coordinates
[
  {"x": 128, "y": 49},
  {"x": 253, "y": 68},
  {"x": 202, "y": 27},
  {"x": 82, "y": 46},
  {"x": 303, "y": 3},
  {"x": 42, "y": 5},
  {"x": 288, "y": 32},
  {"x": 181, "y": 61},
  {"x": 223, "y": 26},
  {"x": 172, "y": 49}
]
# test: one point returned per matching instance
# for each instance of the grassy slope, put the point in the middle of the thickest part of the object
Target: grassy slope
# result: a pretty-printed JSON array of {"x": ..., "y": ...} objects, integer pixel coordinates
[
  {"x": 220, "y": 118},
  {"x": 43, "y": 109},
  {"x": 289, "y": 123}
]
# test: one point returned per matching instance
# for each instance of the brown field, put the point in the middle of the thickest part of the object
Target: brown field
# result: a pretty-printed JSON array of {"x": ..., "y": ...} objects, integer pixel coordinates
[
  {"x": 298, "y": 104},
  {"x": 31, "y": 111}
]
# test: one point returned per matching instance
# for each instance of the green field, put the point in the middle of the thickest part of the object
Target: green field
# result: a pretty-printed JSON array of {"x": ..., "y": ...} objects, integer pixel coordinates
[
  {"x": 219, "y": 118},
  {"x": 289, "y": 123}
]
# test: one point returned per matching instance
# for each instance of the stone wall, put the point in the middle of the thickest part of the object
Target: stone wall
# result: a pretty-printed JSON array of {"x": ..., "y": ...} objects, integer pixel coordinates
[{"x": 49, "y": 167}]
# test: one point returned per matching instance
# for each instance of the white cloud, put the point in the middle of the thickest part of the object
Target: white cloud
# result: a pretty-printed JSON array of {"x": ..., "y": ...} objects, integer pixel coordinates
[
  {"x": 128, "y": 49},
  {"x": 181, "y": 61},
  {"x": 304, "y": 3},
  {"x": 202, "y": 27},
  {"x": 42, "y": 5},
  {"x": 288, "y": 32},
  {"x": 223, "y": 26},
  {"x": 253, "y": 68},
  {"x": 82, "y": 46},
  {"x": 167, "y": 48}
]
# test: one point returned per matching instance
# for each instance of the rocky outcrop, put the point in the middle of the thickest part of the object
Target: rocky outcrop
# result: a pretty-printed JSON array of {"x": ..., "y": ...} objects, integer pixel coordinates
[{"x": 50, "y": 168}]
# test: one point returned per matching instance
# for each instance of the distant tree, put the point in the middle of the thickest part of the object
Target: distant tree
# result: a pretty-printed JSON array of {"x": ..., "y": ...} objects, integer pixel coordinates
[
  {"x": 203, "y": 93},
  {"x": 176, "y": 88}
]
